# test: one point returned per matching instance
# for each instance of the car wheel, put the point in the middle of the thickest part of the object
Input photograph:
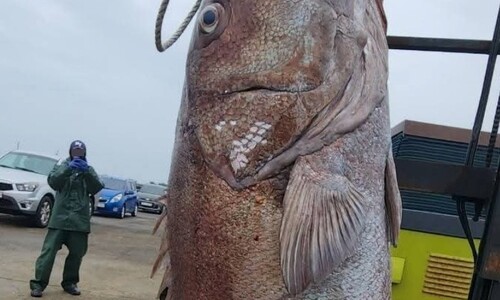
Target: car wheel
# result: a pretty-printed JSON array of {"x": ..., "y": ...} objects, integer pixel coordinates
[
  {"x": 122, "y": 212},
  {"x": 160, "y": 211},
  {"x": 91, "y": 208},
  {"x": 136, "y": 209},
  {"x": 43, "y": 212}
]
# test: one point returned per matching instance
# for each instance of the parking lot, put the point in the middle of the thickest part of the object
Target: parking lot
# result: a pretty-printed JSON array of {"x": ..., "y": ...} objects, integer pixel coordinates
[{"x": 117, "y": 265}]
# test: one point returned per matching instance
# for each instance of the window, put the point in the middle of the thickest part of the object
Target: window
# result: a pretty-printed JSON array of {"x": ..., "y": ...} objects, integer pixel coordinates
[
  {"x": 114, "y": 184},
  {"x": 28, "y": 162},
  {"x": 153, "y": 189},
  {"x": 132, "y": 186}
]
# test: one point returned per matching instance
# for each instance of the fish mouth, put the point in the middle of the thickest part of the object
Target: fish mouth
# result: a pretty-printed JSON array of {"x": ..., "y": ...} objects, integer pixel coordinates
[{"x": 270, "y": 89}]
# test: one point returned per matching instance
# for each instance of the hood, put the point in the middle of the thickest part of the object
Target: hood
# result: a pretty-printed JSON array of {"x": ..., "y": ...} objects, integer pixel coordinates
[
  {"x": 108, "y": 194},
  {"x": 147, "y": 196},
  {"x": 78, "y": 145},
  {"x": 20, "y": 176}
]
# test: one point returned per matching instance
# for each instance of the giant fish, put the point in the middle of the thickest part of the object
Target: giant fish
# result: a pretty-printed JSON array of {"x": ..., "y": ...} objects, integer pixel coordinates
[{"x": 282, "y": 183}]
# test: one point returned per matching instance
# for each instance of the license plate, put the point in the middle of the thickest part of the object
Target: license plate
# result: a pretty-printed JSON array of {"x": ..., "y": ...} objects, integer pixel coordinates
[
  {"x": 147, "y": 204},
  {"x": 101, "y": 204}
]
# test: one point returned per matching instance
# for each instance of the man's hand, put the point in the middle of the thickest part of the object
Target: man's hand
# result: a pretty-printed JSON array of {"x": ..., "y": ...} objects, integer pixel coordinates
[{"x": 79, "y": 164}]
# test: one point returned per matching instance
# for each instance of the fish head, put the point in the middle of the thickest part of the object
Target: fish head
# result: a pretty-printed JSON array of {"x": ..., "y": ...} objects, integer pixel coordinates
[{"x": 258, "y": 73}]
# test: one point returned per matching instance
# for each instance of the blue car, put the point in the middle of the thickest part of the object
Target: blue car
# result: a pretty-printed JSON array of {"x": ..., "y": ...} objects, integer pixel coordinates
[{"x": 118, "y": 197}]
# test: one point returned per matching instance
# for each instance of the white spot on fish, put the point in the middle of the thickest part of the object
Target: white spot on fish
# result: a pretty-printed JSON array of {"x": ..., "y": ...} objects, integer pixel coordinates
[
  {"x": 261, "y": 131},
  {"x": 259, "y": 123},
  {"x": 266, "y": 126},
  {"x": 237, "y": 143},
  {"x": 249, "y": 136},
  {"x": 233, "y": 154},
  {"x": 242, "y": 157},
  {"x": 244, "y": 141},
  {"x": 254, "y": 129},
  {"x": 218, "y": 127},
  {"x": 240, "y": 161},
  {"x": 222, "y": 123},
  {"x": 233, "y": 123},
  {"x": 252, "y": 145},
  {"x": 257, "y": 139},
  {"x": 235, "y": 165},
  {"x": 264, "y": 142}
]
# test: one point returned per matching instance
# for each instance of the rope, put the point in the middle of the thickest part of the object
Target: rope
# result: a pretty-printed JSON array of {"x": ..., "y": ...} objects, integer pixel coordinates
[{"x": 159, "y": 24}]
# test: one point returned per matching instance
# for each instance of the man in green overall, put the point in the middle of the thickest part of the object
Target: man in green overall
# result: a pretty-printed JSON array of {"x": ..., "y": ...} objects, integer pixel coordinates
[{"x": 74, "y": 181}]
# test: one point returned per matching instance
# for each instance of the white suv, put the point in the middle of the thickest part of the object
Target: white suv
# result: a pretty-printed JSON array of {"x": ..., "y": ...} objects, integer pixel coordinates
[{"x": 23, "y": 185}]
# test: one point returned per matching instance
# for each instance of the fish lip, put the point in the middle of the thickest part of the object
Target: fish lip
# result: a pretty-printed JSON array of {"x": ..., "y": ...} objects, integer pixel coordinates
[{"x": 266, "y": 89}]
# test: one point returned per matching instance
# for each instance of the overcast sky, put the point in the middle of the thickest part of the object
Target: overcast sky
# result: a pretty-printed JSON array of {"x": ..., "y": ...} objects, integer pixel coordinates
[{"x": 89, "y": 70}]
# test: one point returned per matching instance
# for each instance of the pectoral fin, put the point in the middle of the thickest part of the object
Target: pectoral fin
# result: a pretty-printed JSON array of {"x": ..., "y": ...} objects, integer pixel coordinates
[
  {"x": 166, "y": 283},
  {"x": 324, "y": 215},
  {"x": 392, "y": 201},
  {"x": 163, "y": 258}
]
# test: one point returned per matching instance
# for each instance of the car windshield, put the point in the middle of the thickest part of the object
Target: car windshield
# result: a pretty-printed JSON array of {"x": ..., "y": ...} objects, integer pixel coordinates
[
  {"x": 28, "y": 162},
  {"x": 114, "y": 183},
  {"x": 153, "y": 189}
]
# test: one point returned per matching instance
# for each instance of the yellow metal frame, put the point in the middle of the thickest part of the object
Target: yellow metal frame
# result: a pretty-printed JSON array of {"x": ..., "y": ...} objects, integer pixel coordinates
[{"x": 415, "y": 252}]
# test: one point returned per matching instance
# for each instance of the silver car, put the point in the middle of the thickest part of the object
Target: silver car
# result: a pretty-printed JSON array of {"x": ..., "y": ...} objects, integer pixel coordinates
[{"x": 23, "y": 185}]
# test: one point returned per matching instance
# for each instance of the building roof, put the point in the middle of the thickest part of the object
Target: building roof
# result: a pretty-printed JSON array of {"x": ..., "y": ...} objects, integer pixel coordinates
[
  {"x": 440, "y": 132},
  {"x": 442, "y": 144}
]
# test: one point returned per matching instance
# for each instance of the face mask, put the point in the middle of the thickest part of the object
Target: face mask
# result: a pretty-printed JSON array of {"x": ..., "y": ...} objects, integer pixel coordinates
[{"x": 77, "y": 152}]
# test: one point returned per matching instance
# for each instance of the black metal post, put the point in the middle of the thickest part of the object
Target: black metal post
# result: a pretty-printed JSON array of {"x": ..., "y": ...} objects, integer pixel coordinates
[
  {"x": 439, "y": 44},
  {"x": 493, "y": 135},
  {"x": 479, "y": 285},
  {"x": 483, "y": 101}
]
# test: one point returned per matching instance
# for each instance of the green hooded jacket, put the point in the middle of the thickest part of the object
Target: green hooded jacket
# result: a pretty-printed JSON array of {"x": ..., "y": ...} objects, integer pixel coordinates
[{"x": 73, "y": 188}]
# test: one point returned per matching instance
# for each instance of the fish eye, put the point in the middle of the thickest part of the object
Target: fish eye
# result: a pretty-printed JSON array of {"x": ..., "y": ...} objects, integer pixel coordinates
[{"x": 209, "y": 18}]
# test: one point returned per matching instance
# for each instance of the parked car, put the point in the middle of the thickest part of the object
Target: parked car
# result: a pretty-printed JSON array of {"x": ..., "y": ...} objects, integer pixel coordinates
[
  {"x": 118, "y": 197},
  {"x": 148, "y": 198},
  {"x": 23, "y": 185}
]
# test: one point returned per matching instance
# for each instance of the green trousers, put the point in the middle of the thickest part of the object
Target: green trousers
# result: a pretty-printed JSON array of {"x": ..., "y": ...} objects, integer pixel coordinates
[{"x": 76, "y": 242}]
